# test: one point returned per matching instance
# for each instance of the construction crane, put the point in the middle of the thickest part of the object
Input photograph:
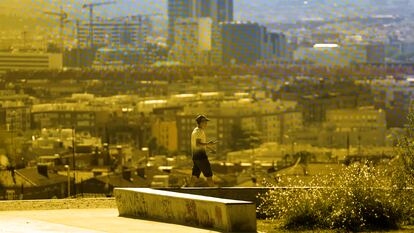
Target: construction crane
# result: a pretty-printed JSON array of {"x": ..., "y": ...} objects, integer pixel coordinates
[
  {"x": 62, "y": 20},
  {"x": 91, "y": 6}
]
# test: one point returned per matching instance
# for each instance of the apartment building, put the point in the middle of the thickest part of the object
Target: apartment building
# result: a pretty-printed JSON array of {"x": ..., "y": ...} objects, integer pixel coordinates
[{"x": 364, "y": 126}]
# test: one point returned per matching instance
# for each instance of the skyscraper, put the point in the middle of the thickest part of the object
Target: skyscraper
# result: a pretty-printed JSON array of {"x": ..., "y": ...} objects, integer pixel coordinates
[
  {"x": 177, "y": 9},
  {"x": 279, "y": 45},
  {"x": 241, "y": 42},
  {"x": 217, "y": 10},
  {"x": 221, "y": 10},
  {"x": 192, "y": 41}
]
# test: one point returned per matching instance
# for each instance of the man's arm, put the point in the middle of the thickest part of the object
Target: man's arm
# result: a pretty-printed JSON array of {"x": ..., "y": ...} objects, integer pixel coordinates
[
  {"x": 212, "y": 142},
  {"x": 211, "y": 149},
  {"x": 200, "y": 143}
]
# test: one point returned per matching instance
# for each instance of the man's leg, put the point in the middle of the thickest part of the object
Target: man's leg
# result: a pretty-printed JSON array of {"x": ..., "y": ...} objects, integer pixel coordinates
[
  {"x": 210, "y": 181},
  {"x": 205, "y": 167},
  {"x": 195, "y": 174},
  {"x": 193, "y": 180}
]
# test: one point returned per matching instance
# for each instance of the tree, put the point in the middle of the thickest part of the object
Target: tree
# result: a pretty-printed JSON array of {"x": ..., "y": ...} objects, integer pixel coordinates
[
  {"x": 405, "y": 150},
  {"x": 243, "y": 139},
  {"x": 152, "y": 146},
  {"x": 236, "y": 136},
  {"x": 305, "y": 158}
]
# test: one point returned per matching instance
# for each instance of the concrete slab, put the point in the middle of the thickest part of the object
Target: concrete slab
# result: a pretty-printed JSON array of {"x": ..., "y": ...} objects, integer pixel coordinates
[
  {"x": 193, "y": 210},
  {"x": 53, "y": 204},
  {"x": 83, "y": 221}
]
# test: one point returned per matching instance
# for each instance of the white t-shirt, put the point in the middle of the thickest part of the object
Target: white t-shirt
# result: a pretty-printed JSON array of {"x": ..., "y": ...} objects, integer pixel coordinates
[{"x": 197, "y": 133}]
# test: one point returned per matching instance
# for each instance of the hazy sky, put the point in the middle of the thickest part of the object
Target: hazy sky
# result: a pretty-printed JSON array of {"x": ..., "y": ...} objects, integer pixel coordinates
[
  {"x": 244, "y": 9},
  {"x": 161, "y": 5},
  {"x": 130, "y": 6}
]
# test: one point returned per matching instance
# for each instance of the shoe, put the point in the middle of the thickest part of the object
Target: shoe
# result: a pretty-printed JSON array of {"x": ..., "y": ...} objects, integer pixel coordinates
[{"x": 186, "y": 185}]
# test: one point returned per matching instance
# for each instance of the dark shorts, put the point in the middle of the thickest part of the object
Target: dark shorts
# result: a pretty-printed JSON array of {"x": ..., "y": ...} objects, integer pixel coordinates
[
  {"x": 202, "y": 165},
  {"x": 199, "y": 154}
]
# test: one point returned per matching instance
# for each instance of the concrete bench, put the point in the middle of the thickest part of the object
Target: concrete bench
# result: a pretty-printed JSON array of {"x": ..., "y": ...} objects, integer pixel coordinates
[{"x": 188, "y": 209}]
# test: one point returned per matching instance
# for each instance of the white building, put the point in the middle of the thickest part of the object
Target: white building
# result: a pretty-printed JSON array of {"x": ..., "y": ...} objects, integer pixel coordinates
[
  {"x": 332, "y": 54},
  {"x": 30, "y": 61}
]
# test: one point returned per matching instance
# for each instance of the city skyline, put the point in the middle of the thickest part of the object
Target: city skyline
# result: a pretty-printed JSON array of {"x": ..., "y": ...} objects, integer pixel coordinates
[
  {"x": 278, "y": 82},
  {"x": 313, "y": 99},
  {"x": 243, "y": 9}
]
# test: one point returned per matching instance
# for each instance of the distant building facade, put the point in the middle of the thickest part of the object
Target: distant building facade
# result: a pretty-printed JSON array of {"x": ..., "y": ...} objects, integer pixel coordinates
[
  {"x": 332, "y": 54},
  {"x": 278, "y": 45},
  {"x": 177, "y": 9},
  {"x": 354, "y": 127},
  {"x": 270, "y": 119},
  {"x": 14, "y": 111},
  {"x": 166, "y": 133},
  {"x": 118, "y": 58},
  {"x": 272, "y": 128},
  {"x": 314, "y": 107},
  {"x": 395, "y": 97},
  {"x": 250, "y": 43},
  {"x": 122, "y": 31},
  {"x": 241, "y": 42},
  {"x": 30, "y": 61},
  {"x": 217, "y": 10},
  {"x": 64, "y": 115},
  {"x": 79, "y": 57},
  {"x": 193, "y": 41}
]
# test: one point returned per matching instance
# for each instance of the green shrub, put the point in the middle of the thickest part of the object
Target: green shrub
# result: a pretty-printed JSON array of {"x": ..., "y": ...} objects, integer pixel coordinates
[{"x": 357, "y": 198}]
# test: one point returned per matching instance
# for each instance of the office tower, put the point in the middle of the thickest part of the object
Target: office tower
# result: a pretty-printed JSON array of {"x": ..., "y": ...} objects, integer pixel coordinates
[
  {"x": 222, "y": 11},
  {"x": 265, "y": 51},
  {"x": 192, "y": 41},
  {"x": 177, "y": 9},
  {"x": 279, "y": 45},
  {"x": 217, "y": 10},
  {"x": 225, "y": 11},
  {"x": 241, "y": 42}
]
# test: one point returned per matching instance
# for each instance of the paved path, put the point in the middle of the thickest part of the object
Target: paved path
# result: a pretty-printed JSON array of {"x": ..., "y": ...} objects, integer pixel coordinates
[{"x": 83, "y": 221}]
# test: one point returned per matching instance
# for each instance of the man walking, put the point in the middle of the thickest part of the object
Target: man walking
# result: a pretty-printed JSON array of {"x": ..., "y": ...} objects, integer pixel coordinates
[{"x": 198, "y": 150}]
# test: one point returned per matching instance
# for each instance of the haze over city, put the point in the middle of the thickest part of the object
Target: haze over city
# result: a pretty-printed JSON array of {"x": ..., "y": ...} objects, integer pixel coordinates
[{"x": 295, "y": 111}]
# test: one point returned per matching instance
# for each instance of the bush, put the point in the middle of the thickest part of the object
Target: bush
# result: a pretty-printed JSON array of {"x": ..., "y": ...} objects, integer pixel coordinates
[
  {"x": 357, "y": 198},
  {"x": 405, "y": 150}
]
